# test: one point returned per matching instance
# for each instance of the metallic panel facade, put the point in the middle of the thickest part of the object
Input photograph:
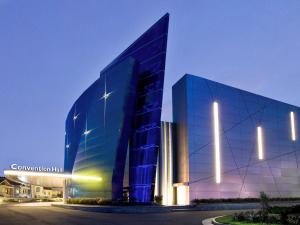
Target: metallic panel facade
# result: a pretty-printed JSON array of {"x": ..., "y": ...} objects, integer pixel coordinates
[{"x": 243, "y": 173}]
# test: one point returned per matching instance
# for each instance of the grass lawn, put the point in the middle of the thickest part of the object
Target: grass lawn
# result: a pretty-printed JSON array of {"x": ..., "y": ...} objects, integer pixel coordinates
[{"x": 228, "y": 220}]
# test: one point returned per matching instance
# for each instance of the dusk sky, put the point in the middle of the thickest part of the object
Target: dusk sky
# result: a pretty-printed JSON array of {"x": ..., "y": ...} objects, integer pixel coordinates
[{"x": 51, "y": 51}]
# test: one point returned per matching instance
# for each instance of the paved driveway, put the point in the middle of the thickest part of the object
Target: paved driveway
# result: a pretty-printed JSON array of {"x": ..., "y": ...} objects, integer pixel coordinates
[{"x": 47, "y": 215}]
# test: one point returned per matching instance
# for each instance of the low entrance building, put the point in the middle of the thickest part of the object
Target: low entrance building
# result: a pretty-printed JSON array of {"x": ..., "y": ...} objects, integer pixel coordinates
[{"x": 6, "y": 188}]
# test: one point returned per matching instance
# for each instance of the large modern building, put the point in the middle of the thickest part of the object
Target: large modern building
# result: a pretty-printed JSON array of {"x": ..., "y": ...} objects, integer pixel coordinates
[{"x": 223, "y": 142}]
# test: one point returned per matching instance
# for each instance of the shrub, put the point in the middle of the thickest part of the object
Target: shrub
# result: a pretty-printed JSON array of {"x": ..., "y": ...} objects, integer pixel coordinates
[
  {"x": 239, "y": 200},
  {"x": 223, "y": 200},
  {"x": 104, "y": 202},
  {"x": 89, "y": 201},
  {"x": 10, "y": 200},
  {"x": 257, "y": 217},
  {"x": 273, "y": 215},
  {"x": 293, "y": 219},
  {"x": 296, "y": 209},
  {"x": 47, "y": 200},
  {"x": 239, "y": 216},
  {"x": 285, "y": 213},
  {"x": 273, "y": 218},
  {"x": 277, "y": 209}
]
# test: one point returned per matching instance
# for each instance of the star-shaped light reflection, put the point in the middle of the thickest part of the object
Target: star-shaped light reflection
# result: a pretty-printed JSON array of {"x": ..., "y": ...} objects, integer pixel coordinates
[
  {"x": 75, "y": 116},
  {"x": 87, "y": 132},
  {"x": 106, "y": 95}
]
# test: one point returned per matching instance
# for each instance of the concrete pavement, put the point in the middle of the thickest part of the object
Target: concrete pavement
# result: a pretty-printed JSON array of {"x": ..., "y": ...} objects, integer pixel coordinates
[{"x": 30, "y": 215}]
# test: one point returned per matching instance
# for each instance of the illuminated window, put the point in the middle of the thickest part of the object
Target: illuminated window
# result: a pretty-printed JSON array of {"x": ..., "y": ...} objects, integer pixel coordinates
[
  {"x": 182, "y": 194},
  {"x": 217, "y": 142},
  {"x": 260, "y": 143},
  {"x": 293, "y": 130}
]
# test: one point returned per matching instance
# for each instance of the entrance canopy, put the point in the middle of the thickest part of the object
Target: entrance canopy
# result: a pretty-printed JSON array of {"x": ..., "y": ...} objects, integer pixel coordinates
[{"x": 45, "y": 179}]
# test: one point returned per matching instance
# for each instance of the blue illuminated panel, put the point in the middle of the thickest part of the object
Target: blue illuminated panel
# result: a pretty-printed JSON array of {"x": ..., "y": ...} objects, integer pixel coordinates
[{"x": 149, "y": 51}]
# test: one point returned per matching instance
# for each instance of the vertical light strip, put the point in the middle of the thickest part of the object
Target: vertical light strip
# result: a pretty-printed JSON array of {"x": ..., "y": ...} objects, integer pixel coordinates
[
  {"x": 156, "y": 187},
  {"x": 165, "y": 166},
  {"x": 170, "y": 166},
  {"x": 260, "y": 143},
  {"x": 217, "y": 143},
  {"x": 293, "y": 130}
]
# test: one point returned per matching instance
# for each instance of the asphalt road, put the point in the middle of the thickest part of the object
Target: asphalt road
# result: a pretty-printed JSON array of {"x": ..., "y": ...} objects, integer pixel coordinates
[{"x": 47, "y": 215}]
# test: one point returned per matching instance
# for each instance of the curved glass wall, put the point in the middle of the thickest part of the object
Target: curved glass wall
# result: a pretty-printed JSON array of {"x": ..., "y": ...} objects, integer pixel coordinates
[
  {"x": 121, "y": 111},
  {"x": 97, "y": 132}
]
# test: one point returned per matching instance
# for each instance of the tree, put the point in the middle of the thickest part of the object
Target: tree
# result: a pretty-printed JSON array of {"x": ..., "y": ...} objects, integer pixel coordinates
[{"x": 264, "y": 201}]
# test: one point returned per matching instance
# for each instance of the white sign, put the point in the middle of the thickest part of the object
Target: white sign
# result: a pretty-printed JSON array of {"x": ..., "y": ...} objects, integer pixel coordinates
[{"x": 36, "y": 168}]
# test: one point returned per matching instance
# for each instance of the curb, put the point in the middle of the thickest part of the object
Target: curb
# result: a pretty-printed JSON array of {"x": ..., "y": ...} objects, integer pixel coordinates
[
  {"x": 116, "y": 209},
  {"x": 211, "y": 221}
]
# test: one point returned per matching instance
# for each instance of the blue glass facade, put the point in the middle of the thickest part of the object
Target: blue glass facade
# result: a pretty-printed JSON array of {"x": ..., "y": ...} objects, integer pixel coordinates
[
  {"x": 97, "y": 132},
  {"x": 118, "y": 117},
  {"x": 250, "y": 161}
]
